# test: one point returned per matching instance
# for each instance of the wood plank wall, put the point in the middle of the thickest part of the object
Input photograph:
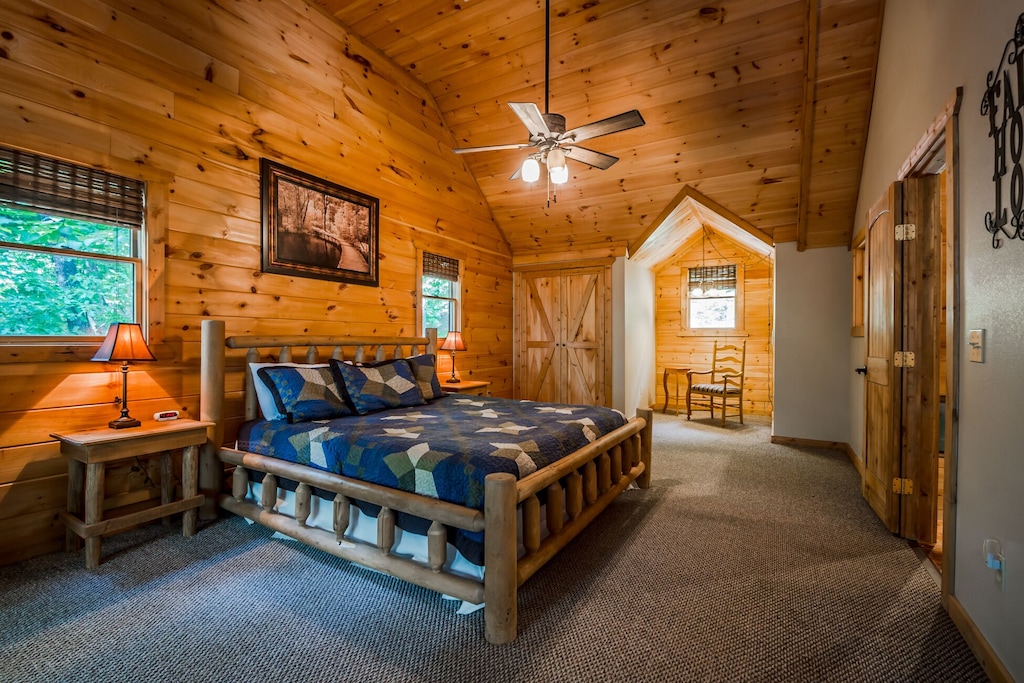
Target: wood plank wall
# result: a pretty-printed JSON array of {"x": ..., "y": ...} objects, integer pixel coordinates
[
  {"x": 675, "y": 349},
  {"x": 188, "y": 95}
]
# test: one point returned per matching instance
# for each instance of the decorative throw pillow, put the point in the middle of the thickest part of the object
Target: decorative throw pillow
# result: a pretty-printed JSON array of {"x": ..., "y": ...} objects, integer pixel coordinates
[
  {"x": 264, "y": 395},
  {"x": 424, "y": 368},
  {"x": 377, "y": 386},
  {"x": 304, "y": 392}
]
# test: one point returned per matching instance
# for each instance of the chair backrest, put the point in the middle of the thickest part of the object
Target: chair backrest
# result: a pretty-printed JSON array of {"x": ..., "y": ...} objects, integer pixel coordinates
[{"x": 729, "y": 359}]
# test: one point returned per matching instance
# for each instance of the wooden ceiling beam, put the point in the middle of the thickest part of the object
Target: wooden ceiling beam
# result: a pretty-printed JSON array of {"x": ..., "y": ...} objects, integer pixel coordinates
[{"x": 807, "y": 125}]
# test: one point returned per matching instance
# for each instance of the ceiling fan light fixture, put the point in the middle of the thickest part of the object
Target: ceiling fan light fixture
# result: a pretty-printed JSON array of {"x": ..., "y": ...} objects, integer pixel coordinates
[
  {"x": 559, "y": 174},
  {"x": 555, "y": 161},
  {"x": 530, "y": 171}
]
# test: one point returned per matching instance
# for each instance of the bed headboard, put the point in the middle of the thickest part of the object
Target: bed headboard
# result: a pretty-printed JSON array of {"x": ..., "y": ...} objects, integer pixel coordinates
[{"x": 284, "y": 349}]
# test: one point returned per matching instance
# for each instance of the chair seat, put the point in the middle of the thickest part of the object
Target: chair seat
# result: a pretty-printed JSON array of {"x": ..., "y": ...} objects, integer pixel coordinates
[{"x": 717, "y": 389}]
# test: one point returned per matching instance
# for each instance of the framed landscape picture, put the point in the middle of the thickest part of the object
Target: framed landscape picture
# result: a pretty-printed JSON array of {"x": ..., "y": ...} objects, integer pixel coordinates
[{"x": 315, "y": 228}]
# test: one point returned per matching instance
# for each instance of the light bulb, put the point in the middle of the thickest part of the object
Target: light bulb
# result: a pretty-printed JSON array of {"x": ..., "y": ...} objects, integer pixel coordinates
[
  {"x": 530, "y": 170},
  {"x": 559, "y": 175}
]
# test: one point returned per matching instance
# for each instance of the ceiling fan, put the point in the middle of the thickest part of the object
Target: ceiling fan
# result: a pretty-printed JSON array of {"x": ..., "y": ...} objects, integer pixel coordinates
[{"x": 553, "y": 143}]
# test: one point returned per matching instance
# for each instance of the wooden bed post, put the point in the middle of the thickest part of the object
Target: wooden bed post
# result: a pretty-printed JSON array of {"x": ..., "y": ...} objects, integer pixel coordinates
[
  {"x": 431, "y": 334},
  {"x": 211, "y": 408},
  {"x": 500, "y": 578},
  {"x": 644, "y": 480}
]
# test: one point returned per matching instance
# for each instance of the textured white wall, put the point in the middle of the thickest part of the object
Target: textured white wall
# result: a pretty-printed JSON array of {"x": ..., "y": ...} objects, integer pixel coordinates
[
  {"x": 929, "y": 47},
  {"x": 633, "y": 336},
  {"x": 812, "y": 343}
]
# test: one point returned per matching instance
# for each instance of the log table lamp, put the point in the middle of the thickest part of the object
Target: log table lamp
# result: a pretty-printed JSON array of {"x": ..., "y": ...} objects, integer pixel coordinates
[
  {"x": 124, "y": 343},
  {"x": 453, "y": 342}
]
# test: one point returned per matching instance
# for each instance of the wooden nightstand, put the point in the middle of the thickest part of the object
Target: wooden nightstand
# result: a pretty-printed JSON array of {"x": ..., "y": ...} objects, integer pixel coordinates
[
  {"x": 467, "y": 387},
  {"x": 88, "y": 454}
]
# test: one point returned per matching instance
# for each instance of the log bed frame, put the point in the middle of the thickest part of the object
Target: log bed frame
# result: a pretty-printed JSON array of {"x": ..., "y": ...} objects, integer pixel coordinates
[{"x": 578, "y": 487}]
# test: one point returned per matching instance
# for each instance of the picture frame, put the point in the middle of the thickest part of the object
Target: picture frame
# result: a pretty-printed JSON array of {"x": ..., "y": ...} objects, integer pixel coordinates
[{"x": 317, "y": 229}]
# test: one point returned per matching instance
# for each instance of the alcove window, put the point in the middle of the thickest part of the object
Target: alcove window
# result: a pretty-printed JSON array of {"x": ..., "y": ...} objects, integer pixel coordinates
[{"x": 712, "y": 297}]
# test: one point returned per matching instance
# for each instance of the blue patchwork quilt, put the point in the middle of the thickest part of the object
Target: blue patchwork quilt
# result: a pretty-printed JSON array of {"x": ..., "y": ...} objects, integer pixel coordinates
[{"x": 443, "y": 449}]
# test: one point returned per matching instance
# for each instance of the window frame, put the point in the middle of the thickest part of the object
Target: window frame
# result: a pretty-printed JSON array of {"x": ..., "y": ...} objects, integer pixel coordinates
[
  {"x": 151, "y": 278},
  {"x": 739, "y": 330},
  {"x": 421, "y": 297},
  {"x": 137, "y": 261}
]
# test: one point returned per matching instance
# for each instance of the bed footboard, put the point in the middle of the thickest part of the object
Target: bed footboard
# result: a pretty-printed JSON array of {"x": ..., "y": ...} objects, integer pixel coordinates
[{"x": 577, "y": 488}]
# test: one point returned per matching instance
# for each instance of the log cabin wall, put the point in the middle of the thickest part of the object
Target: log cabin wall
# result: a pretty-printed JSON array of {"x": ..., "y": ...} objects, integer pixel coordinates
[
  {"x": 674, "y": 348},
  {"x": 188, "y": 95}
]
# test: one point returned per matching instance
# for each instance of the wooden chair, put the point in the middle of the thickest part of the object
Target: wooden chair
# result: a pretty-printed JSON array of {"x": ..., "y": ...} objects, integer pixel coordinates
[{"x": 725, "y": 381}]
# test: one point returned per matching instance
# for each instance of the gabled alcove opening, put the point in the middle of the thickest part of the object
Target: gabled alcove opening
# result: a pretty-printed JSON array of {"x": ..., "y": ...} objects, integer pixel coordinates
[{"x": 695, "y": 231}]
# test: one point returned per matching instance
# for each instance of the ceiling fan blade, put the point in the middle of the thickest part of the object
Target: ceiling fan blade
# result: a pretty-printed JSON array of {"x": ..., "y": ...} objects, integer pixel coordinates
[
  {"x": 489, "y": 148},
  {"x": 613, "y": 124},
  {"x": 590, "y": 157},
  {"x": 517, "y": 174},
  {"x": 530, "y": 115}
]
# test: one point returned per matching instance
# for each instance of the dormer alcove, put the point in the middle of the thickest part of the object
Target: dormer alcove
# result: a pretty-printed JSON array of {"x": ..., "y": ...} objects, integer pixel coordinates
[{"x": 694, "y": 234}]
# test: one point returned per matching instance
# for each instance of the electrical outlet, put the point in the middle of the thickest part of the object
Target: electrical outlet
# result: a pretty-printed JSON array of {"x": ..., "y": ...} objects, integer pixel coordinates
[{"x": 976, "y": 346}]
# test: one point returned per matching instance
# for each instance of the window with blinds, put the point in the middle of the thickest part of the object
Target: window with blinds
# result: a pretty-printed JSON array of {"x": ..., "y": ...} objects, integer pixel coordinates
[
  {"x": 70, "y": 248},
  {"x": 440, "y": 293},
  {"x": 711, "y": 297}
]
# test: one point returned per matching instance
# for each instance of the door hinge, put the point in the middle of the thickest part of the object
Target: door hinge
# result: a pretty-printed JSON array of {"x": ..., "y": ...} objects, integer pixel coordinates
[
  {"x": 906, "y": 232},
  {"x": 903, "y": 359},
  {"x": 902, "y": 487}
]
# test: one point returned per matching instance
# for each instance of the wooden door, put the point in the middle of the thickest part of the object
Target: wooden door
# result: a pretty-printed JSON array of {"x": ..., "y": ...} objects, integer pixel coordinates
[
  {"x": 922, "y": 308},
  {"x": 883, "y": 390},
  {"x": 583, "y": 345},
  {"x": 539, "y": 375}
]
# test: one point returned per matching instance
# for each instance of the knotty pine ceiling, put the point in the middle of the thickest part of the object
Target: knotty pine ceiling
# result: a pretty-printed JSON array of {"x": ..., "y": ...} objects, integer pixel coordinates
[{"x": 760, "y": 105}]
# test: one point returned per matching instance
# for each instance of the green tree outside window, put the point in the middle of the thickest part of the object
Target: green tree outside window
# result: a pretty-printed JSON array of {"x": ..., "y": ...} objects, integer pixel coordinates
[{"x": 61, "y": 277}]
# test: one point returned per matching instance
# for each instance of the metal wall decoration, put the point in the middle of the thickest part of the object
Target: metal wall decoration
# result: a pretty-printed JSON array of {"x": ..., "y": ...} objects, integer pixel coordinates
[
  {"x": 314, "y": 228},
  {"x": 1003, "y": 104}
]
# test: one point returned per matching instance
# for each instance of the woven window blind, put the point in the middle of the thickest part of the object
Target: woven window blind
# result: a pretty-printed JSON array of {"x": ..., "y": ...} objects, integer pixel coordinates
[
  {"x": 441, "y": 267},
  {"x": 36, "y": 183},
  {"x": 718, "y": 278}
]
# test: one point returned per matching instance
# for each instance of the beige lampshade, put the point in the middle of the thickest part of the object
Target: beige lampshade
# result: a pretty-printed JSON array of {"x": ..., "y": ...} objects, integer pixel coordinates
[
  {"x": 124, "y": 342},
  {"x": 453, "y": 342}
]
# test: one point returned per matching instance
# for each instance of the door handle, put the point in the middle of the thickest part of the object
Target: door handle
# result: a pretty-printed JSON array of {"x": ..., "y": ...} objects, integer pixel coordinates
[{"x": 863, "y": 370}]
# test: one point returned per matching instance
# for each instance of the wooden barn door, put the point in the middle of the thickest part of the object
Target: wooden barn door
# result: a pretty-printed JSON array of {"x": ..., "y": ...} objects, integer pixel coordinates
[
  {"x": 882, "y": 392},
  {"x": 539, "y": 377},
  {"x": 902, "y": 392},
  {"x": 583, "y": 343},
  {"x": 561, "y": 320}
]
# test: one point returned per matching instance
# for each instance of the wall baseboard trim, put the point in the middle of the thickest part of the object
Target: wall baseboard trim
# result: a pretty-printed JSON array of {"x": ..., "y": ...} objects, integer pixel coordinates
[
  {"x": 984, "y": 653},
  {"x": 809, "y": 443},
  {"x": 855, "y": 459}
]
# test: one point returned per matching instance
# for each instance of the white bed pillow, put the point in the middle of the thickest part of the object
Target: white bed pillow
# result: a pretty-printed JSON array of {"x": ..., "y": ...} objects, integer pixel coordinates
[{"x": 264, "y": 395}]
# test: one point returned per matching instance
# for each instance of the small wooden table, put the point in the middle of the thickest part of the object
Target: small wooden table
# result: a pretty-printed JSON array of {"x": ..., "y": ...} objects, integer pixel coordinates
[
  {"x": 468, "y": 386},
  {"x": 677, "y": 372},
  {"x": 88, "y": 454}
]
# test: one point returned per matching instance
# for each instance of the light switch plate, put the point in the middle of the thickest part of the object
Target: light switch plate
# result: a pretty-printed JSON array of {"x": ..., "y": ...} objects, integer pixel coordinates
[{"x": 976, "y": 346}]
